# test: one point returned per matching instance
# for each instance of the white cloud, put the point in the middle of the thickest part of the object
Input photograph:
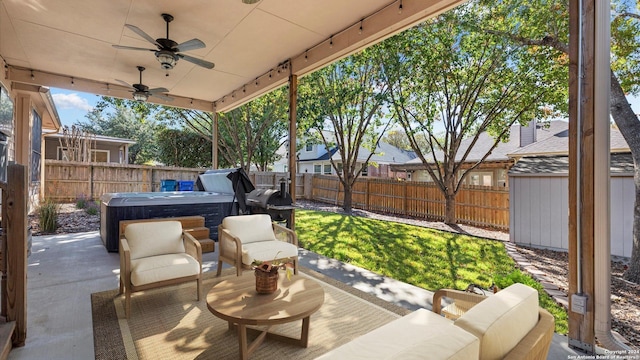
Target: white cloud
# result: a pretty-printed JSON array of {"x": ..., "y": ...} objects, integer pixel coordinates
[{"x": 71, "y": 101}]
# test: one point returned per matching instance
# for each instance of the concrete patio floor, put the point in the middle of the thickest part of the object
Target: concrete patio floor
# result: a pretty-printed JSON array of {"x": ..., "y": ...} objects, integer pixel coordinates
[{"x": 65, "y": 269}]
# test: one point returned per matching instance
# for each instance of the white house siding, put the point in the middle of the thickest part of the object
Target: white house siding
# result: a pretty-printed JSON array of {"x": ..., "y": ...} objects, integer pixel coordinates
[{"x": 539, "y": 212}]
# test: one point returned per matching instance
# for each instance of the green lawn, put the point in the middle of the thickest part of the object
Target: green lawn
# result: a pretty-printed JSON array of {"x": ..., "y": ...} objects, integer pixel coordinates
[{"x": 427, "y": 258}]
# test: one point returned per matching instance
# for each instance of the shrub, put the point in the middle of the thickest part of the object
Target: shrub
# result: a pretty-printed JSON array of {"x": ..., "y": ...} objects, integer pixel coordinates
[
  {"x": 48, "y": 214},
  {"x": 81, "y": 202},
  {"x": 92, "y": 208}
]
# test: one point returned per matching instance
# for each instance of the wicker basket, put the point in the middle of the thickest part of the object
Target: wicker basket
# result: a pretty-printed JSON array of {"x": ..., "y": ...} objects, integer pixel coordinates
[{"x": 266, "y": 282}]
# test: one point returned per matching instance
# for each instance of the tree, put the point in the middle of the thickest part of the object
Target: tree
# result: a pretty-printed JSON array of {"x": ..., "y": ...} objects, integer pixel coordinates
[
  {"x": 250, "y": 134},
  {"x": 446, "y": 74},
  {"x": 183, "y": 148},
  {"x": 342, "y": 104},
  {"x": 117, "y": 118},
  {"x": 548, "y": 30},
  {"x": 77, "y": 144}
]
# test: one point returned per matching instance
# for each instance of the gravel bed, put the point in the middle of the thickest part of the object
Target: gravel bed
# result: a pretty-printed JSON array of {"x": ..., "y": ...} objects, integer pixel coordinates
[{"x": 625, "y": 296}]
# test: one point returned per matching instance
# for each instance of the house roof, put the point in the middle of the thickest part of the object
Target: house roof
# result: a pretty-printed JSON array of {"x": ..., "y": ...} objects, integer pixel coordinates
[
  {"x": 385, "y": 153},
  {"x": 100, "y": 138},
  {"x": 558, "y": 144},
  {"x": 621, "y": 163},
  {"x": 255, "y": 47},
  {"x": 500, "y": 153}
]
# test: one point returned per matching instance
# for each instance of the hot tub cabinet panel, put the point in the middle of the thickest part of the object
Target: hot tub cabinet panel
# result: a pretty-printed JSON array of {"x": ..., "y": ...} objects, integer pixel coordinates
[{"x": 133, "y": 206}]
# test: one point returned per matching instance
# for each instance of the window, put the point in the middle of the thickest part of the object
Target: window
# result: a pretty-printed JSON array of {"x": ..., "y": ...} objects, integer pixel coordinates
[
  {"x": 36, "y": 146},
  {"x": 327, "y": 169},
  {"x": 309, "y": 148},
  {"x": 317, "y": 169},
  {"x": 99, "y": 156}
]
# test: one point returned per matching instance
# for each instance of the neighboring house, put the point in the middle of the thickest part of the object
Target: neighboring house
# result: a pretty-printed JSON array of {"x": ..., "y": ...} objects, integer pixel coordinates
[
  {"x": 316, "y": 159},
  {"x": 493, "y": 171},
  {"x": 26, "y": 112},
  {"x": 103, "y": 148}
]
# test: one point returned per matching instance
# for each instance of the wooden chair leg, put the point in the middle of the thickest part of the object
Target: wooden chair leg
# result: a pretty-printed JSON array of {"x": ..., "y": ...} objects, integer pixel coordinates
[
  {"x": 219, "y": 268},
  {"x": 199, "y": 289},
  {"x": 295, "y": 266},
  {"x": 127, "y": 303}
]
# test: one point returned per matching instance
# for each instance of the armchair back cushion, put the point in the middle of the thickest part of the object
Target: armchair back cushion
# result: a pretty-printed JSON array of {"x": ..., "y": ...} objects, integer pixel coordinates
[
  {"x": 250, "y": 228},
  {"x": 502, "y": 320},
  {"x": 154, "y": 238}
]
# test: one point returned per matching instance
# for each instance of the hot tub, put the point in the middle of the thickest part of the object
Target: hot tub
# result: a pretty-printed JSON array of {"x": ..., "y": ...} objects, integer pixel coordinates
[{"x": 213, "y": 206}]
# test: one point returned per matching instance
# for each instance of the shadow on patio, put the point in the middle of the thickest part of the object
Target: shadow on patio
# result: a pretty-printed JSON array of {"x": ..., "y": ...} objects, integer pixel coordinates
[{"x": 64, "y": 270}]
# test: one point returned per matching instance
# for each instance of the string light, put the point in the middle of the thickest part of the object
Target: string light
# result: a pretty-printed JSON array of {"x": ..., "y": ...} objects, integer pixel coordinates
[
  {"x": 306, "y": 55},
  {"x": 256, "y": 82},
  {"x": 400, "y": 8},
  {"x": 32, "y": 76},
  {"x": 73, "y": 83},
  {"x": 331, "y": 42},
  {"x": 360, "y": 30}
]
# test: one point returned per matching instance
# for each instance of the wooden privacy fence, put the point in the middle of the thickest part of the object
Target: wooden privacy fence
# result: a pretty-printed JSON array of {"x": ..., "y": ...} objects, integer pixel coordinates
[
  {"x": 482, "y": 206},
  {"x": 66, "y": 181},
  {"x": 475, "y": 205}
]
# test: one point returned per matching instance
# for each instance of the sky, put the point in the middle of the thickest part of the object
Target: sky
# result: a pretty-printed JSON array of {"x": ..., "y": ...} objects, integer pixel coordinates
[{"x": 72, "y": 106}]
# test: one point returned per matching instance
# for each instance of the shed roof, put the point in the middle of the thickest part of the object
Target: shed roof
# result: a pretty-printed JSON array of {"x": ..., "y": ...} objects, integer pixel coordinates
[{"x": 621, "y": 164}]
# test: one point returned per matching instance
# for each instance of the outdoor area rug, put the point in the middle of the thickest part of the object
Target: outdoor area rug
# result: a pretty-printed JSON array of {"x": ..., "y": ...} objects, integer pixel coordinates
[{"x": 169, "y": 323}]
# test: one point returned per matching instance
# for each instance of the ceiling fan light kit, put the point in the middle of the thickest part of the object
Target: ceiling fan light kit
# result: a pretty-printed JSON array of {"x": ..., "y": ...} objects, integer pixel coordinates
[
  {"x": 166, "y": 59},
  {"x": 140, "y": 96}
]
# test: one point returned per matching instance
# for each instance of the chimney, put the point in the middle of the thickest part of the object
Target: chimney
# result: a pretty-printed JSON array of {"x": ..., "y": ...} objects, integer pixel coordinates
[{"x": 528, "y": 133}]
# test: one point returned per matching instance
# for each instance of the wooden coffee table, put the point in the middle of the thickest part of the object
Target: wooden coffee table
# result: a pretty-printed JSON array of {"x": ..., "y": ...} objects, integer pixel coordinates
[{"x": 235, "y": 300}]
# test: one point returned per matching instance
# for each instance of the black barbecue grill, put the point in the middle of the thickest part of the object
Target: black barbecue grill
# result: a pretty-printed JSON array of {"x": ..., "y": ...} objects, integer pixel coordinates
[{"x": 276, "y": 203}]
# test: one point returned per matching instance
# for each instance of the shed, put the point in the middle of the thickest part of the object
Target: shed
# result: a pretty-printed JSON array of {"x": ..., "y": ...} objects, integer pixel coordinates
[{"x": 539, "y": 203}]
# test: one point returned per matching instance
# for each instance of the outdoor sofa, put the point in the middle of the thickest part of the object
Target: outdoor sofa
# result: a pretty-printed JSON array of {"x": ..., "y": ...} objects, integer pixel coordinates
[{"x": 507, "y": 325}]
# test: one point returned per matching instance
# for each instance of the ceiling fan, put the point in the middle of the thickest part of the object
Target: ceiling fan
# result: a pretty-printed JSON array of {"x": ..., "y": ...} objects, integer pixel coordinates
[
  {"x": 169, "y": 51},
  {"x": 142, "y": 92}
]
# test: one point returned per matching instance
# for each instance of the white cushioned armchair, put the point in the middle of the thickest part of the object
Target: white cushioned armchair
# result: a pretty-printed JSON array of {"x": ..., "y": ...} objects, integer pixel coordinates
[
  {"x": 245, "y": 238},
  {"x": 157, "y": 254}
]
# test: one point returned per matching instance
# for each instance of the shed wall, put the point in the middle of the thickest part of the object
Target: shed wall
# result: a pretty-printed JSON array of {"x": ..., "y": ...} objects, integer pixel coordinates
[{"x": 539, "y": 212}]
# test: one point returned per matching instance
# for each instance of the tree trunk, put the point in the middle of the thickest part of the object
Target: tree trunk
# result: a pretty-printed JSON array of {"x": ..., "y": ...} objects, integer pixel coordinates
[
  {"x": 627, "y": 122},
  {"x": 450, "y": 208},
  {"x": 347, "y": 205}
]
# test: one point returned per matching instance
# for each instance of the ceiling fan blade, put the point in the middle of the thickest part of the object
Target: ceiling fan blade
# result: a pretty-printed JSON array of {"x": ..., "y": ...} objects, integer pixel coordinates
[
  {"x": 142, "y": 34},
  {"x": 124, "y": 83},
  {"x": 192, "y": 44},
  {"x": 132, "y": 48},
  {"x": 163, "y": 97},
  {"x": 158, "y": 90},
  {"x": 199, "y": 62}
]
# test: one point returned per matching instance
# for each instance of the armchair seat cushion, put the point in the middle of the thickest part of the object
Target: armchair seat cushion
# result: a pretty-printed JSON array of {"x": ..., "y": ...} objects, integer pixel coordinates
[
  {"x": 419, "y": 335},
  {"x": 159, "y": 268},
  {"x": 267, "y": 251}
]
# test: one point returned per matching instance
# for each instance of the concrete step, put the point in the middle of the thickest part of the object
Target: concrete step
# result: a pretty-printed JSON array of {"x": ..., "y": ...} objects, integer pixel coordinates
[
  {"x": 207, "y": 245},
  {"x": 6, "y": 332},
  {"x": 199, "y": 233}
]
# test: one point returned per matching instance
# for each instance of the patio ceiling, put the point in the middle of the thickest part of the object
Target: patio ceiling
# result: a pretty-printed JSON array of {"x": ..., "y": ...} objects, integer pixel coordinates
[{"x": 68, "y": 43}]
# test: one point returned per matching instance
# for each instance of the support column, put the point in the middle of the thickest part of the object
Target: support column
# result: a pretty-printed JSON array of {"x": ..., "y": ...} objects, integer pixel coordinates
[
  {"x": 15, "y": 293},
  {"x": 214, "y": 140},
  {"x": 293, "y": 108}
]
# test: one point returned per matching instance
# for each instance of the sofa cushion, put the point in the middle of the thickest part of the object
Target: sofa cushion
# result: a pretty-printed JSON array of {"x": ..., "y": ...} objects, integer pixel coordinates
[
  {"x": 154, "y": 238},
  {"x": 419, "y": 335},
  {"x": 267, "y": 251},
  {"x": 250, "y": 228},
  {"x": 502, "y": 320},
  {"x": 154, "y": 269}
]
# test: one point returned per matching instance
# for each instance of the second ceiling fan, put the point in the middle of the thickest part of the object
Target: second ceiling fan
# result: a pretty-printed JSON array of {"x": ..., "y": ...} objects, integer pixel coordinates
[{"x": 168, "y": 52}]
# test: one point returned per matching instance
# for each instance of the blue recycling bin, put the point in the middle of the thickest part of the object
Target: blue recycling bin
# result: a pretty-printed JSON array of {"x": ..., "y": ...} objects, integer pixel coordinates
[
  {"x": 167, "y": 185},
  {"x": 185, "y": 185}
]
